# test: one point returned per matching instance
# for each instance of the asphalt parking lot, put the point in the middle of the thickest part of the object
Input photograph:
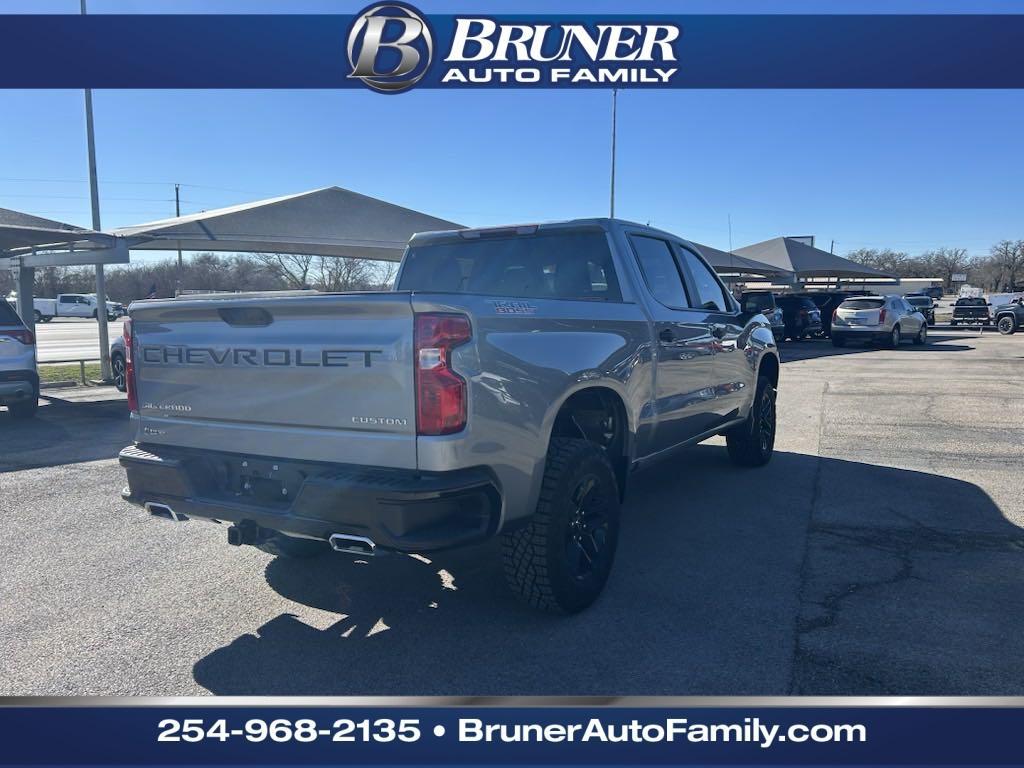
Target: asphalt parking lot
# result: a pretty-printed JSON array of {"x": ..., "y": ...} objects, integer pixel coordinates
[{"x": 881, "y": 552}]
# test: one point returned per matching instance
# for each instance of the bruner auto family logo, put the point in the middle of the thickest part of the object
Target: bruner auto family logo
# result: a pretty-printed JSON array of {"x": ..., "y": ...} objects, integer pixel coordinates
[{"x": 391, "y": 49}]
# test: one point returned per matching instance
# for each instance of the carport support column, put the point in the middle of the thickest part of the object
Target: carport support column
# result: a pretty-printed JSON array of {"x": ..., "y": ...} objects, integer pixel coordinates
[
  {"x": 101, "y": 283},
  {"x": 26, "y": 305}
]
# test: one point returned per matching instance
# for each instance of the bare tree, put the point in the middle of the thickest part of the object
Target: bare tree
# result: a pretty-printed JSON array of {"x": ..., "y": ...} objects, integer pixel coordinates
[
  {"x": 292, "y": 268},
  {"x": 386, "y": 272},
  {"x": 1007, "y": 263},
  {"x": 885, "y": 259},
  {"x": 947, "y": 262},
  {"x": 337, "y": 273}
]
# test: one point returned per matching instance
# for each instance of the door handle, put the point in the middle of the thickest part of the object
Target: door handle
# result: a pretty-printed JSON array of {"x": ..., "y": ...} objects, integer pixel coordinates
[
  {"x": 667, "y": 335},
  {"x": 718, "y": 331}
]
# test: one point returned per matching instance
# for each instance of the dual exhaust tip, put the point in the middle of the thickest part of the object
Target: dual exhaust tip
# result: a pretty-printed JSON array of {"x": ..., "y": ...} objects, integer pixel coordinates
[
  {"x": 353, "y": 545},
  {"x": 249, "y": 533},
  {"x": 164, "y": 512}
]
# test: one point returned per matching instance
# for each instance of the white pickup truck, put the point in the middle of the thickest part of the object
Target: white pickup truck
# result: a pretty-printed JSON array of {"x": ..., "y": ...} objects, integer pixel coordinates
[{"x": 73, "y": 305}]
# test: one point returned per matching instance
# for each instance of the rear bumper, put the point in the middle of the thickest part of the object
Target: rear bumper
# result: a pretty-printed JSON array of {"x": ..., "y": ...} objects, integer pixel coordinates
[
  {"x": 402, "y": 510},
  {"x": 18, "y": 385},
  {"x": 863, "y": 333},
  {"x": 975, "y": 319}
]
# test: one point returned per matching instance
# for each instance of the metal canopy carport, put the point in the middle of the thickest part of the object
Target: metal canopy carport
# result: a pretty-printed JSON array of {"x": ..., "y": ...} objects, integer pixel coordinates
[
  {"x": 323, "y": 222},
  {"x": 27, "y": 242},
  {"x": 804, "y": 260},
  {"x": 732, "y": 264}
]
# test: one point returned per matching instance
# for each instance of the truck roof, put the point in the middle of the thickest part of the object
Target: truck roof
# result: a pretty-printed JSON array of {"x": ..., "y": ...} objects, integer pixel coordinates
[{"x": 603, "y": 223}]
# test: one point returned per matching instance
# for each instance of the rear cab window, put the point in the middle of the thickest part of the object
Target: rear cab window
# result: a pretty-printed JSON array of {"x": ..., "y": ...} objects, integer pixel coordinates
[{"x": 545, "y": 265}]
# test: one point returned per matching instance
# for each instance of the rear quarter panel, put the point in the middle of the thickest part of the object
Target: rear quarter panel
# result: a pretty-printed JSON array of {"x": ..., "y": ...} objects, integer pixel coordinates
[{"x": 527, "y": 357}]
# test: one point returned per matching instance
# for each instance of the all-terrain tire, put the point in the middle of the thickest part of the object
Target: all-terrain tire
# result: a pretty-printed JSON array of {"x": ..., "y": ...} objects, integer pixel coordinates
[
  {"x": 1006, "y": 325},
  {"x": 752, "y": 443},
  {"x": 291, "y": 547},
  {"x": 560, "y": 561}
]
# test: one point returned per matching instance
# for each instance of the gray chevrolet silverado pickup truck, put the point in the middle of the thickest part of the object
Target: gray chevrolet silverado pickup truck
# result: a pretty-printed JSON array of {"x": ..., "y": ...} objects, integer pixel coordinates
[{"x": 509, "y": 386}]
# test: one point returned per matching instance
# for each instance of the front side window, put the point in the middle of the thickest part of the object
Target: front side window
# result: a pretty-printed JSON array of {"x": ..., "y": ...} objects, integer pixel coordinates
[
  {"x": 660, "y": 271},
  {"x": 710, "y": 294}
]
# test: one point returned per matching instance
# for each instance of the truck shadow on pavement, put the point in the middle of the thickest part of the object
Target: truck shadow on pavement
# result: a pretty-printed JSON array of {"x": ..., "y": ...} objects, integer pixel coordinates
[
  {"x": 811, "y": 575},
  {"x": 810, "y": 349}
]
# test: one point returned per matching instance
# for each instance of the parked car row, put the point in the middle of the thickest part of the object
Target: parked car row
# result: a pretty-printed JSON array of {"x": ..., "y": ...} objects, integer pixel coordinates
[
  {"x": 1006, "y": 314},
  {"x": 844, "y": 315}
]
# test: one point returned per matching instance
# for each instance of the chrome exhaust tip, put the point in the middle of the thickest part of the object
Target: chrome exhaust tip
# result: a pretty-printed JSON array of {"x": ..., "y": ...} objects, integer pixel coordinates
[
  {"x": 353, "y": 545},
  {"x": 164, "y": 512}
]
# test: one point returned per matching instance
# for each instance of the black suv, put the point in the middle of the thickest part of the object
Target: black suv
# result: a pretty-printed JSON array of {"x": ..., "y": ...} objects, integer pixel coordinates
[
  {"x": 923, "y": 304},
  {"x": 827, "y": 302},
  {"x": 800, "y": 315},
  {"x": 764, "y": 302}
]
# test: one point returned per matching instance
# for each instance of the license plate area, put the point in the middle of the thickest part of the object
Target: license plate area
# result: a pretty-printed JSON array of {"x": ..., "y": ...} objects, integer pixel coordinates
[{"x": 262, "y": 480}]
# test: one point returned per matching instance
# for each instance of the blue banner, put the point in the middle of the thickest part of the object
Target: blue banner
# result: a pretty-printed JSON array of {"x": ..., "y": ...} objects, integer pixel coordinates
[
  {"x": 392, "y": 47},
  {"x": 659, "y": 735}
]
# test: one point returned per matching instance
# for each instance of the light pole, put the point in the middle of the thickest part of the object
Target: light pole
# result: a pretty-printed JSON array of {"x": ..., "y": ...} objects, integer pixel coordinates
[
  {"x": 177, "y": 212},
  {"x": 101, "y": 283},
  {"x": 615, "y": 99}
]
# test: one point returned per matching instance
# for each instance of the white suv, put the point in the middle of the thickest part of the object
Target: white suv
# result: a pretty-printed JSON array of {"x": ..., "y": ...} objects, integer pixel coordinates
[
  {"x": 885, "y": 319},
  {"x": 19, "y": 382}
]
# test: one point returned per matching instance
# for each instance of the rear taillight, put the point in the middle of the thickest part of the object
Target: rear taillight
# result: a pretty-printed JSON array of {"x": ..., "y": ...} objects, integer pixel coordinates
[
  {"x": 440, "y": 392},
  {"x": 835, "y": 314},
  {"x": 129, "y": 369},
  {"x": 881, "y": 316},
  {"x": 23, "y": 335}
]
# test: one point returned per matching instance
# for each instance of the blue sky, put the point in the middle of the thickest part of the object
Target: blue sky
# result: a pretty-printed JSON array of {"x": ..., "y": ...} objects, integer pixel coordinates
[{"x": 906, "y": 169}]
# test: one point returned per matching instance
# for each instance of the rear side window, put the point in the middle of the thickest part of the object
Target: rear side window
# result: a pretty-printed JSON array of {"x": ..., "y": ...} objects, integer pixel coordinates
[
  {"x": 561, "y": 265},
  {"x": 863, "y": 304},
  {"x": 7, "y": 314},
  {"x": 710, "y": 294},
  {"x": 660, "y": 271}
]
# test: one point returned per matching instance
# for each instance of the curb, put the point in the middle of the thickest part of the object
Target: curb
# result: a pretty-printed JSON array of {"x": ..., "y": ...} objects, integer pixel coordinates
[{"x": 58, "y": 384}]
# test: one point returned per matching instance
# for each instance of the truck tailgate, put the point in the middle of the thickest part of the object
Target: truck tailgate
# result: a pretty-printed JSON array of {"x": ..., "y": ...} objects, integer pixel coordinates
[{"x": 313, "y": 377}]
